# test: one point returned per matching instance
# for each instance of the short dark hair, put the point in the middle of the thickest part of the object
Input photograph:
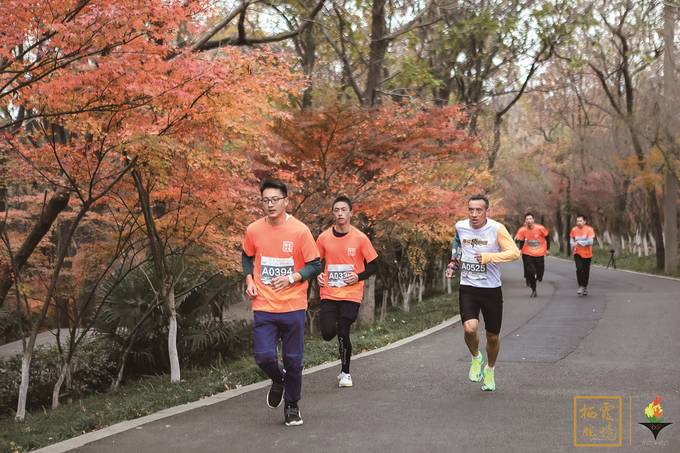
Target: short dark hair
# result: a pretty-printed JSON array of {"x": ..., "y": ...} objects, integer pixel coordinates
[
  {"x": 480, "y": 196},
  {"x": 343, "y": 199},
  {"x": 582, "y": 216},
  {"x": 274, "y": 184},
  {"x": 528, "y": 214}
]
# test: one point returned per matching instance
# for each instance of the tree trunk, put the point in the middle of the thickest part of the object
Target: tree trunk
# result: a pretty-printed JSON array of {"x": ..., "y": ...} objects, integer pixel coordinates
[
  {"x": 383, "y": 307},
  {"x": 670, "y": 227},
  {"x": 308, "y": 47},
  {"x": 173, "y": 356},
  {"x": 496, "y": 145},
  {"x": 56, "y": 390},
  {"x": 657, "y": 227},
  {"x": 52, "y": 209},
  {"x": 421, "y": 288},
  {"x": 559, "y": 228},
  {"x": 377, "y": 50},
  {"x": 367, "y": 309},
  {"x": 670, "y": 192},
  {"x": 121, "y": 367},
  {"x": 23, "y": 386}
]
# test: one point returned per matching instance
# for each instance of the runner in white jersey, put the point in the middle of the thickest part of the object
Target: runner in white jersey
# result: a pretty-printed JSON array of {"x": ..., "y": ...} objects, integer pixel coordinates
[{"x": 479, "y": 246}]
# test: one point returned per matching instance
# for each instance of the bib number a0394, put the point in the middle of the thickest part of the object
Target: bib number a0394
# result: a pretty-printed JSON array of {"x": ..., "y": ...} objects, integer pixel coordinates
[{"x": 275, "y": 267}]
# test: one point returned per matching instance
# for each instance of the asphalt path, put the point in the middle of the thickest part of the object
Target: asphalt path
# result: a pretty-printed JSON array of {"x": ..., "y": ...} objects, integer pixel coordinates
[{"x": 619, "y": 342}]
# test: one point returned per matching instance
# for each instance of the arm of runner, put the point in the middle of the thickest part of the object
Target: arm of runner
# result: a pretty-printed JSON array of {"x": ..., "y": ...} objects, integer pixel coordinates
[
  {"x": 453, "y": 265},
  {"x": 370, "y": 269},
  {"x": 321, "y": 278},
  {"x": 509, "y": 251},
  {"x": 311, "y": 270},
  {"x": 247, "y": 262},
  {"x": 547, "y": 242},
  {"x": 520, "y": 239}
]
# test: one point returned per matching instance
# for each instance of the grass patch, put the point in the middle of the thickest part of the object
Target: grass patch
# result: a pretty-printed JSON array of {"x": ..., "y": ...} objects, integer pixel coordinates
[
  {"x": 151, "y": 394},
  {"x": 626, "y": 261}
]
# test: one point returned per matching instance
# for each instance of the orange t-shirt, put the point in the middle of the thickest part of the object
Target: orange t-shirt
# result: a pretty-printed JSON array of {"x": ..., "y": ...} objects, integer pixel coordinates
[
  {"x": 344, "y": 254},
  {"x": 534, "y": 240},
  {"x": 279, "y": 250},
  {"x": 580, "y": 234}
]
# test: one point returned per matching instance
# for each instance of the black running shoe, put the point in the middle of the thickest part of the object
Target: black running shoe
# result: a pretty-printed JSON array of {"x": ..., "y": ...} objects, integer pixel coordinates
[
  {"x": 292, "y": 416},
  {"x": 533, "y": 293},
  {"x": 275, "y": 395}
]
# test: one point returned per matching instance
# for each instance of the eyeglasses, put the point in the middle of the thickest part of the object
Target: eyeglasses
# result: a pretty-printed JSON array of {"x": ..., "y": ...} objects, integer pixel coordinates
[{"x": 272, "y": 200}]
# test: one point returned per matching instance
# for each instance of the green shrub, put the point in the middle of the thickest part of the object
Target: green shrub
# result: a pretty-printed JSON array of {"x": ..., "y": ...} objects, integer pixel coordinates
[{"x": 92, "y": 370}]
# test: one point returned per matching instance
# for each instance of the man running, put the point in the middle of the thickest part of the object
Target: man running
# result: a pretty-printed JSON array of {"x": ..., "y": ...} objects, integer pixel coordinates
[
  {"x": 349, "y": 260},
  {"x": 581, "y": 239},
  {"x": 279, "y": 258},
  {"x": 533, "y": 240},
  {"x": 479, "y": 246}
]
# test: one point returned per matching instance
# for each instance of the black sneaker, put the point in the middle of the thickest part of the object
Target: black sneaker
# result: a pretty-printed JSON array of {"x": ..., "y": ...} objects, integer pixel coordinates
[
  {"x": 275, "y": 395},
  {"x": 533, "y": 293},
  {"x": 292, "y": 416}
]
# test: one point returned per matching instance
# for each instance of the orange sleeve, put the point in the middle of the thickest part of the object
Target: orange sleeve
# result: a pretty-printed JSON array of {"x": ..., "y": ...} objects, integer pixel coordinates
[
  {"x": 367, "y": 250},
  {"x": 309, "y": 250},
  {"x": 248, "y": 245},
  {"x": 509, "y": 251},
  {"x": 319, "y": 246}
]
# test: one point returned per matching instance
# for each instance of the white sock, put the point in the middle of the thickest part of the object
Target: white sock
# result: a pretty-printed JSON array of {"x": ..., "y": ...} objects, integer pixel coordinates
[
  {"x": 478, "y": 356},
  {"x": 488, "y": 367}
]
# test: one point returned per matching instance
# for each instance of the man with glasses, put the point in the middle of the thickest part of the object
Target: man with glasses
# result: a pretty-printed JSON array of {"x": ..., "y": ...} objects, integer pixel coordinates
[
  {"x": 349, "y": 259},
  {"x": 279, "y": 258},
  {"x": 479, "y": 246}
]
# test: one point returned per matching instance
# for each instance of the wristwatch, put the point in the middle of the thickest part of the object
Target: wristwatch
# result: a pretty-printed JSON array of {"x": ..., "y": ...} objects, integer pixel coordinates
[{"x": 291, "y": 279}]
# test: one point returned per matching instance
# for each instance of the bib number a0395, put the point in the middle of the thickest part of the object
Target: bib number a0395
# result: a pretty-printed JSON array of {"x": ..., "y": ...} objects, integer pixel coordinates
[{"x": 337, "y": 274}]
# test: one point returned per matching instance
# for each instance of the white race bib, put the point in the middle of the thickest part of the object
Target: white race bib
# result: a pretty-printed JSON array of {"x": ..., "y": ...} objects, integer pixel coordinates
[
  {"x": 271, "y": 268},
  {"x": 337, "y": 274},
  {"x": 471, "y": 268}
]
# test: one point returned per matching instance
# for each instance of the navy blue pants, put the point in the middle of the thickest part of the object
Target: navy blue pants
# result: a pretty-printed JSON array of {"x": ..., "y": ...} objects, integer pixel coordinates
[{"x": 268, "y": 329}]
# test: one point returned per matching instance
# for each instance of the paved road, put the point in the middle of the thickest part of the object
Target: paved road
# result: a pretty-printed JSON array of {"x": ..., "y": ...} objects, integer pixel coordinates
[{"x": 621, "y": 340}]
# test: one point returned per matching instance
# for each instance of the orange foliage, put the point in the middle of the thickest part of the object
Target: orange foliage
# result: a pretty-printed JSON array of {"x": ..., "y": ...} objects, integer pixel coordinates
[{"x": 400, "y": 163}]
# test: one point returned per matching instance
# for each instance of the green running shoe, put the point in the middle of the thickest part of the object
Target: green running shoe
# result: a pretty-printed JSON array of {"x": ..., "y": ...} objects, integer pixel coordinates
[
  {"x": 475, "y": 373},
  {"x": 489, "y": 383}
]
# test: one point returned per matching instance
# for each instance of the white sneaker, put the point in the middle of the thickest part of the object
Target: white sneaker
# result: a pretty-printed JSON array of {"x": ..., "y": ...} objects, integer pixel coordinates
[
  {"x": 585, "y": 291},
  {"x": 344, "y": 380},
  {"x": 580, "y": 291}
]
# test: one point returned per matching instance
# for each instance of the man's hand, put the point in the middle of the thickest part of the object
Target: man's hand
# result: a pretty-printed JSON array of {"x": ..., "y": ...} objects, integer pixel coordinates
[
  {"x": 321, "y": 279},
  {"x": 478, "y": 257},
  {"x": 351, "y": 278},
  {"x": 251, "y": 289},
  {"x": 451, "y": 269},
  {"x": 280, "y": 283}
]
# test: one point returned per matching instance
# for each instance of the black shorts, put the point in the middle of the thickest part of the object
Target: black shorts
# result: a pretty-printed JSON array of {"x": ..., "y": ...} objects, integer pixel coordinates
[
  {"x": 489, "y": 301},
  {"x": 337, "y": 309}
]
